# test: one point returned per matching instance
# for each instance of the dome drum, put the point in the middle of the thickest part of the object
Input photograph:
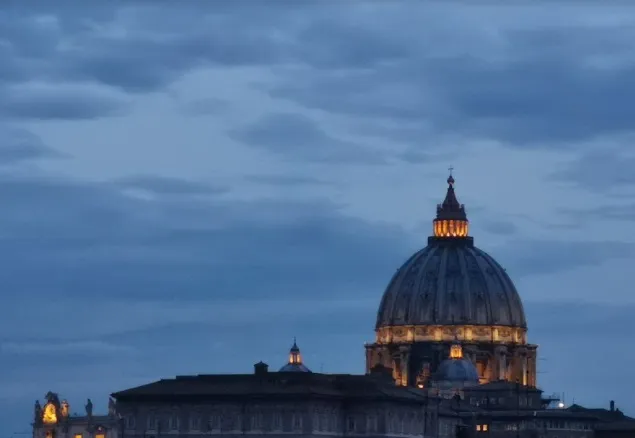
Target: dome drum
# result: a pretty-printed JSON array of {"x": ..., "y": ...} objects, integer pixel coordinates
[{"x": 444, "y": 333}]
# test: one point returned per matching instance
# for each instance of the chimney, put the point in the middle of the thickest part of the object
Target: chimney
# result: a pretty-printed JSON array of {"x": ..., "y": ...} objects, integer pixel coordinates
[
  {"x": 612, "y": 405},
  {"x": 261, "y": 368},
  {"x": 381, "y": 372}
]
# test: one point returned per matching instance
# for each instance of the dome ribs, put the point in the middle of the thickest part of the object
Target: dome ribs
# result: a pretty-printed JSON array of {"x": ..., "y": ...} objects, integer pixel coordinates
[
  {"x": 439, "y": 296},
  {"x": 386, "y": 311},
  {"x": 451, "y": 284},
  {"x": 417, "y": 299},
  {"x": 515, "y": 307},
  {"x": 467, "y": 313}
]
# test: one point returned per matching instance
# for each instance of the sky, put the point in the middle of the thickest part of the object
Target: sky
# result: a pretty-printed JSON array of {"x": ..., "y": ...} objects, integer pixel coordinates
[{"x": 186, "y": 187}]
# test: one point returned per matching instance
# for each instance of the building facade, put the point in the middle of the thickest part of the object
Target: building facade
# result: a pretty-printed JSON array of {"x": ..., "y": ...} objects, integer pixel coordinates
[
  {"x": 290, "y": 402},
  {"x": 54, "y": 419}
]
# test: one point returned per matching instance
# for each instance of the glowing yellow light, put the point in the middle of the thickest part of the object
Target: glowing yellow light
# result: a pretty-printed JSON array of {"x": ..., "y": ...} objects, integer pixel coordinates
[
  {"x": 450, "y": 228},
  {"x": 295, "y": 358},
  {"x": 49, "y": 416},
  {"x": 65, "y": 408},
  {"x": 456, "y": 352}
]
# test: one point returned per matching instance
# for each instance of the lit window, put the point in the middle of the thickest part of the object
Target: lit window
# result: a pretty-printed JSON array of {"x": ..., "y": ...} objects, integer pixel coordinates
[
  {"x": 78, "y": 435},
  {"x": 478, "y": 427},
  {"x": 100, "y": 435},
  {"x": 485, "y": 428}
]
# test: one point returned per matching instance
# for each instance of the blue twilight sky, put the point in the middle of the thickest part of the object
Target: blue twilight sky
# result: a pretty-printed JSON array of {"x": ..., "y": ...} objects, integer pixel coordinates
[{"x": 186, "y": 186}]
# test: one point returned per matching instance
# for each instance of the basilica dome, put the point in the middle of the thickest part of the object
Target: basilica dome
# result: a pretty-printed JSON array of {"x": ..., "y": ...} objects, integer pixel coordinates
[{"x": 450, "y": 281}]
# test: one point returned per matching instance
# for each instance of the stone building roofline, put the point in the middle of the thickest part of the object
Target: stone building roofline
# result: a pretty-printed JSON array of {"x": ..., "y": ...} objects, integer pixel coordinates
[
  {"x": 504, "y": 385},
  {"x": 273, "y": 385}
]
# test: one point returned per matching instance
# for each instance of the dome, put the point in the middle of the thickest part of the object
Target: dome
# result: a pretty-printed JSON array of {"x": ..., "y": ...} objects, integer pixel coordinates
[
  {"x": 295, "y": 364},
  {"x": 457, "y": 369},
  {"x": 450, "y": 281}
]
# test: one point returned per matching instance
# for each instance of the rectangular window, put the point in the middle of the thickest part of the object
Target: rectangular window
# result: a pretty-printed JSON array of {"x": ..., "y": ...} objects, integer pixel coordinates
[
  {"x": 173, "y": 422},
  {"x": 485, "y": 428},
  {"x": 277, "y": 421},
  {"x": 297, "y": 421},
  {"x": 478, "y": 427},
  {"x": 195, "y": 422},
  {"x": 100, "y": 435},
  {"x": 78, "y": 435},
  {"x": 131, "y": 422},
  {"x": 350, "y": 424},
  {"x": 214, "y": 421},
  {"x": 152, "y": 422}
]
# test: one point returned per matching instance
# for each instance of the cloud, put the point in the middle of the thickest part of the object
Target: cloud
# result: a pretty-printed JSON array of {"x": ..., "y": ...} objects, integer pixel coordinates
[
  {"x": 93, "y": 237},
  {"x": 160, "y": 52},
  {"x": 494, "y": 226},
  {"x": 607, "y": 169},
  {"x": 532, "y": 257},
  {"x": 204, "y": 107},
  {"x": 168, "y": 186},
  {"x": 287, "y": 180},
  {"x": 616, "y": 212},
  {"x": 62, "y": 348},
  {"x": 356, "y": 69},
  {"x": 60, "y": 102},
  {"x": 564, "y": 331},
  {"x": 510, "y": 88},
  {"x": 134, "y": 48},
  {"x": 297, "y": 136},
  {"x": 19, "y": 145}
]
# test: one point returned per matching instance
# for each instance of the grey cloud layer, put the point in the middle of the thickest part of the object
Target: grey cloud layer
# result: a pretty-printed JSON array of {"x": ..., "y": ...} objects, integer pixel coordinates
[
  {"x": 524, "y": 86},
  {"x": 297, "y": 136},
  {"x": 19, "y": 145}
]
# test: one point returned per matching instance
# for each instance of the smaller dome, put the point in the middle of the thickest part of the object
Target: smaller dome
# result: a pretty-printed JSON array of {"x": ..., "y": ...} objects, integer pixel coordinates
[
  {"x": 456, "y": 368},
  {"x": 295, "y": 364}
]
